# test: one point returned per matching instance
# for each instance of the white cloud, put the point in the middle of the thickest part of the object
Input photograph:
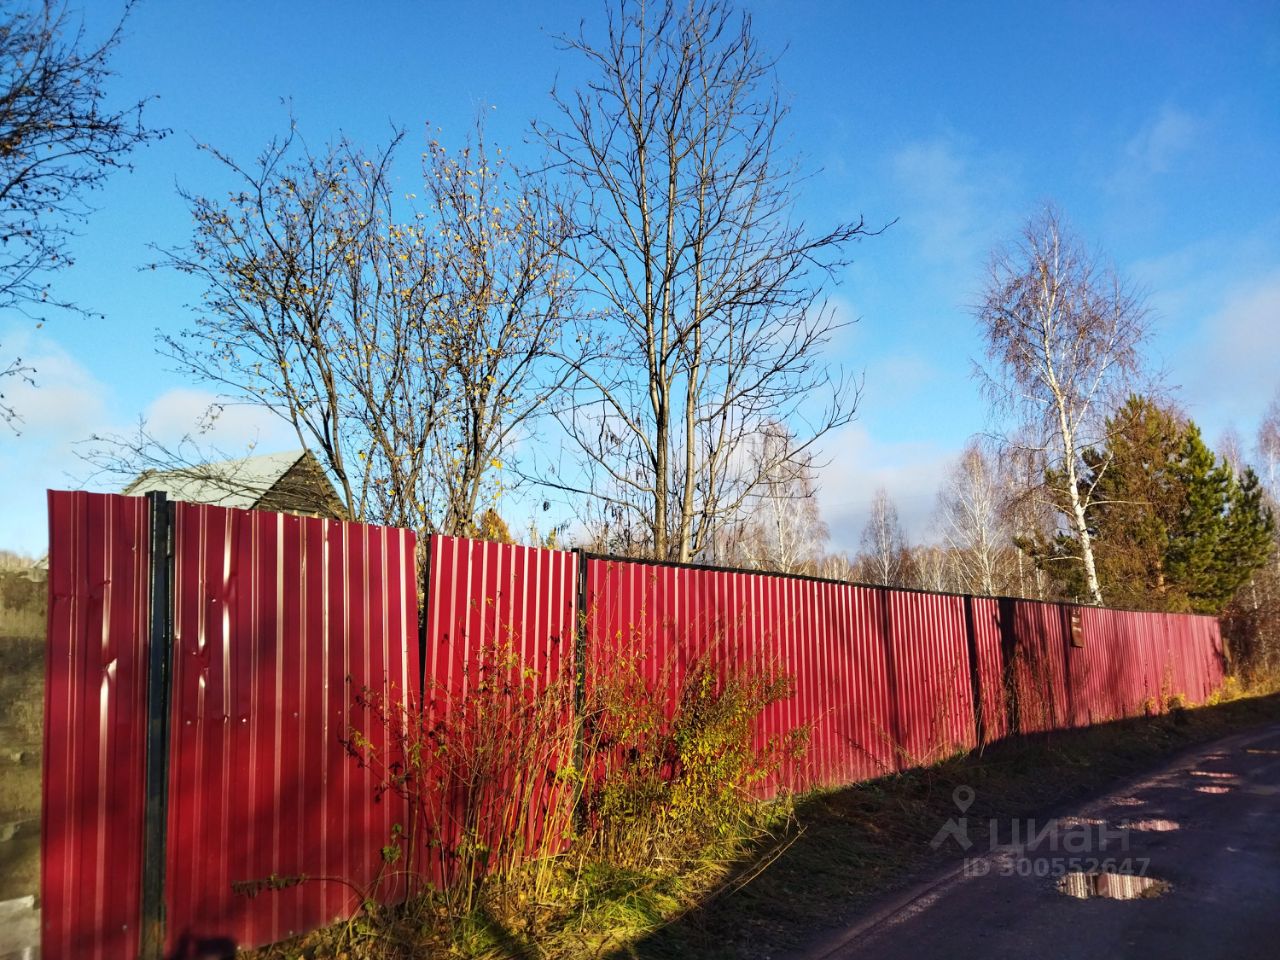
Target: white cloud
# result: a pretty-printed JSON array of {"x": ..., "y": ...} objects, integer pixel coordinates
[
  {"x": 1232, "y": 365},
  {"x": 1162, "y": 140},
  {"x": 858, "y": 463},
  {"x": 65, "y": 396},
  {"x": 230, "y": 427},
  {"x": 952, "y": 200},
  {"x": 65, "y": 405},
  {"x": 1160, "y": 145}
]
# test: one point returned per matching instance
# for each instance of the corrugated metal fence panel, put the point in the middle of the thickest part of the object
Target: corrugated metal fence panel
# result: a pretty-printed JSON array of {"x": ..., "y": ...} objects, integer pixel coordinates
[
  {"x": 649, "y": 624},
  {"x": 990, "y": 666},
  {"x": 482, "y": 594},
  {"x": 866, "y": 710},
  {"x": 785, "y": 636},
  {"x": 95, "y": 717},
  {"x": 500, "y": 634},
  {"x": 931, "y": 675},
  {"x": 1212, "y": 657},
  {"x": 280, "y": 622},
  {"x": 1192, "y": 642},
  {"x": 1128, "y": 663},
  {"x": 1096, "y": 668},
  {"x": 1039, "y": 667},
  {"x": 869, "y": 720}
]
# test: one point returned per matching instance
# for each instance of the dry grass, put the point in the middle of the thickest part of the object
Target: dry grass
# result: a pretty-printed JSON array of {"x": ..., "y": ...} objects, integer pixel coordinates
[{"x": 22, "y": 647}]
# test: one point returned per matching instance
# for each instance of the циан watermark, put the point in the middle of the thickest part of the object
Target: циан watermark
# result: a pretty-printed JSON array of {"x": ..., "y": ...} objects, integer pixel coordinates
[{"x": 1040, "y": 848}]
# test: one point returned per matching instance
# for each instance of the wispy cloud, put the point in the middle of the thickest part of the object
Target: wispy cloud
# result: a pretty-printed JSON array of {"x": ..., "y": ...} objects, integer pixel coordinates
[
  {"x": 214, "y": 423},
  {"x": 1162, "y": 140},
  {"x": 1232, "y": 364},
  {"x": 859, "y": 462},
  {"x": 68, "y": 404},
  {"x": 1158, "y": 147},
  {"x": 952, "y": 199}
]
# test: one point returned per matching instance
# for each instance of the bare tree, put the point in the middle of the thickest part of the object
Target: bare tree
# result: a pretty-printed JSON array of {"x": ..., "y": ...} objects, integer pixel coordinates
[
  {"x": 1063, "y": 336},
  {"x": 973, "y": 522},
  {"x": 780, "y": 526},
  {"x": 932, "y": 567},
  {"x": 405, "y": 350},
  {"x": 709, "y": 323},
  {"x": 838, "y": 566},
  {"x": 1230, "y": 447},
  {"x": 883, "y": 543},
  {"x": 58, "y": 143},
  {"x": 1027, "y": 515},
  {"x": 13, "y": 562},
  {"x": 1269, "y": 448},
  {"x": 22, "y": 371},
  {"x": 504, "y": 291}
]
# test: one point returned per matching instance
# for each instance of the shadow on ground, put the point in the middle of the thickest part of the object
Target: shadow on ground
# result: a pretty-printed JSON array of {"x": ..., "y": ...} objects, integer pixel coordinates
[{"x": 853, "y": 847}]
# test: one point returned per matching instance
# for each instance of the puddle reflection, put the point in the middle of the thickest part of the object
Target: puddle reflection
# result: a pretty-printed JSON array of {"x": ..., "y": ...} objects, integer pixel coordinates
[
  {"x": 1151, "y": 826},
  {"x": 1111, "y": 886}
]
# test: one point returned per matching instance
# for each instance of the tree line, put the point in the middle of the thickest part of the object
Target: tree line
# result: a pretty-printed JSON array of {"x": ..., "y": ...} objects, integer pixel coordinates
[
  {"x": 1093, "y": 486},
  {"x": 635, "y": 326}
]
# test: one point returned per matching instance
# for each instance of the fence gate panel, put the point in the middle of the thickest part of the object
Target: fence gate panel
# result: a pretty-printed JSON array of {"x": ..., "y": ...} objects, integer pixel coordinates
[
  {"x": 280, "y": 624},
  {"x": 95, "y": 726}
]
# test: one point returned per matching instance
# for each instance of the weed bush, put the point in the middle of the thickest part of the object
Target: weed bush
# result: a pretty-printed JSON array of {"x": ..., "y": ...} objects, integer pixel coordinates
[
  {"x": 537, "y": 815},
  {"x": 668, "y": 779}
]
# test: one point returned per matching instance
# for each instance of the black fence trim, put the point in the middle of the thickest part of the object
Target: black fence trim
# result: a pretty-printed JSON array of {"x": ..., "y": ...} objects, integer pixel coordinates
[{"x": 156, "y": 782}]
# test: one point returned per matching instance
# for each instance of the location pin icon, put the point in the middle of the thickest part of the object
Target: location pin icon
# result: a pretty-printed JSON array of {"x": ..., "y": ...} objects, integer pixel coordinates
[{"x": 963, "y": 796}]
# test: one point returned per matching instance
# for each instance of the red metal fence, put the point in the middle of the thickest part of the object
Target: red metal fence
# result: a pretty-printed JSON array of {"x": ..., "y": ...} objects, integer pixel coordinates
[
  {"x": 500, "y": 625},
  {"x": 279, "y": 622},
  {"x": 888, "y": 679},
  {"x": 95, "y": 721}
]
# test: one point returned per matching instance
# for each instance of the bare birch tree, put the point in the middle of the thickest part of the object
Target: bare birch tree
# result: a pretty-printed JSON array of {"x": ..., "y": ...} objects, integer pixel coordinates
[
  {"x": 973, "y": 522},
  {"x": 708, "y": 322},
  {"x": 1230, "y": 447},
  {"x": 932, "y": 567},
  {"x": 1027, "y": 515},
  {"x": 403, "y": 346},
  {"x": 838, "y": 566},
  {"x": 883, "y": 543},
  {"x": 780, "y": 527},
  {"x": 1063, "y": 336},
  {"x": 1269, "y": 448}
]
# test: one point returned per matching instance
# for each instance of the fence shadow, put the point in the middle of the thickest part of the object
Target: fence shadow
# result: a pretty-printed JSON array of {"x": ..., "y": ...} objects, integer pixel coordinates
[{"x": 857, "y": 846}]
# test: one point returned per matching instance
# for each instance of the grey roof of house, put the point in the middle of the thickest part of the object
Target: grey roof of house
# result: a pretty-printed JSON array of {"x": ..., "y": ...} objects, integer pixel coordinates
[{"x": 230, "y": 483}]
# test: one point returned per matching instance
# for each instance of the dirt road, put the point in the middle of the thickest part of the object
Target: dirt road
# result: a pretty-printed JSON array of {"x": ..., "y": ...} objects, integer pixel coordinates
[{"x": 1205, "y": 831}]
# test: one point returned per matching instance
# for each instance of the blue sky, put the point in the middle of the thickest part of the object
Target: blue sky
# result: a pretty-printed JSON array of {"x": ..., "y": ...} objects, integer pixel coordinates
[{"x": 1156, "y": 128}]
